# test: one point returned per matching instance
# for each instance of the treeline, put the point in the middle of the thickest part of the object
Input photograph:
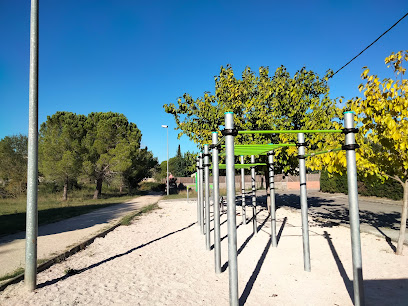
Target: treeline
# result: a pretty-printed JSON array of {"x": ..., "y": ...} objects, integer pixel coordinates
[
  {"x": 181, "y": 165},
  {"x": 100, "y": 147}
]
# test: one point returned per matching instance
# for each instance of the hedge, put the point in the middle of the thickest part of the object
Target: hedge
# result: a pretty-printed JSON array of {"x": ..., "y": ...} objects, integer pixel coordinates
[{"x": 370, "y": 186}]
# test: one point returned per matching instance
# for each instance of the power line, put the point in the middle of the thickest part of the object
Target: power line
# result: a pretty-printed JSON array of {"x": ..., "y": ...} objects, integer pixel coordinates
[{"x": 369, "y": 45}]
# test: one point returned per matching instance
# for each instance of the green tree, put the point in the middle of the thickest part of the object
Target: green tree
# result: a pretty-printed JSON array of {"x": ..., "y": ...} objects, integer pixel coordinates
[
  {"x": 110, "y": 143},
  {"x": 260, "y": 102},
  {"x": 13, "y": 164},
  {"x": 143, "y": 165},
  {"x": 60, "y": 150}
]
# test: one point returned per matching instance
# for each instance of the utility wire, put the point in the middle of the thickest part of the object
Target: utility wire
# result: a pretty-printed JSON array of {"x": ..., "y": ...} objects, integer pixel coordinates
[{"x": 369, "y": 45}]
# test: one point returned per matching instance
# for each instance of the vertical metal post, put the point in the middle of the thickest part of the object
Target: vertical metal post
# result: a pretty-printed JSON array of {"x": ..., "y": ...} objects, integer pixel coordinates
[
  {"x": 354, "y": 210},
  {"x": 303, "y": 202},
  {"x": 272, "y": 198},
  {"x": 231, "y": 211},
  {"x": 168, "y": 183},
  {"x": 198, "y": 193},
  {"x": 243, "y": 192},
  {"x": 216, "y": 192},
  {"x": 30, "y": 276},
  {"x": 207, "y": 197},
  {"x": 253, "y": 196},
  {"x": 200, "y": 184}
]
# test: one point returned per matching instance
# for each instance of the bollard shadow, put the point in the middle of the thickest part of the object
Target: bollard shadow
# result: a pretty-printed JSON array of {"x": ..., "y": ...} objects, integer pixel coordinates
[
  {"x": 346, "y": 280},
  {"x": 255, "y": 273},
  {"x": 243, "y": 245},
  {"x": 279, "y": 235},
  {"x": 74, "y": 272},
  {"x": 328, "y": 213}
]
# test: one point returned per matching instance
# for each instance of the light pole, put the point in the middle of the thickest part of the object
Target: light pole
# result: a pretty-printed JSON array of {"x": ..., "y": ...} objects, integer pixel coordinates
[{"x": 167, "y": 127}]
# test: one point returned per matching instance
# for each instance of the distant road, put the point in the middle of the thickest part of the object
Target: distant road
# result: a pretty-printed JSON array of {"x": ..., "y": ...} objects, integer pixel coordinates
[{"x": 378, "y": 216}]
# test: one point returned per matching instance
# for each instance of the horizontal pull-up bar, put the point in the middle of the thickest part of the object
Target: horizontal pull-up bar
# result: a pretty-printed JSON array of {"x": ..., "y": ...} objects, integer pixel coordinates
[
  {"x": 289, "y": 131},
  {"x": 242, "y": 166}
]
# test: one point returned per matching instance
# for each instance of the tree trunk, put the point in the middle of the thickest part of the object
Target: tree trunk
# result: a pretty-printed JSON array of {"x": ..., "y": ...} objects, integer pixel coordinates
[
  {"x": 120, "y": 189},
  {"x": 403, "y": 225},
  {"x": 65, "y": 193},
  {"x": 98, "y": 190}
]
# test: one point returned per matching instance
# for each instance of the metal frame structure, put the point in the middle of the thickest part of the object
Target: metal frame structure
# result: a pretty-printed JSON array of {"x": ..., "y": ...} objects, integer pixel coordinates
[{"x": 231, "y": 150}]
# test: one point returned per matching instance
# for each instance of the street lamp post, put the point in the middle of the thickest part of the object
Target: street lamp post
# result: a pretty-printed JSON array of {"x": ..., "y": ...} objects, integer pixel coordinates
[{"x": 167, "y": 127}]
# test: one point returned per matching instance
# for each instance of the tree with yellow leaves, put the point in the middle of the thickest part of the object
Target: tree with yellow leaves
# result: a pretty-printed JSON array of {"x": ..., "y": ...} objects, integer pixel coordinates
[{"x": 383, "y": 128}]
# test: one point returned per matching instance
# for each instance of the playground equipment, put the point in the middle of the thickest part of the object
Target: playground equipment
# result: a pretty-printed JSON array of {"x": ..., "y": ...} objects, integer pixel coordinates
[{"x": 231, "y": 150}]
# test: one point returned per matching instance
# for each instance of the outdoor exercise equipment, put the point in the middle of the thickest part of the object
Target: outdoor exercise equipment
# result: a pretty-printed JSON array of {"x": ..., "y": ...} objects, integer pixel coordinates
[
  {"x": 201, "y": 202},
  {"x": 243, "y": 192},
  {"x": 217, "y": 233},
  {"x": 303, "y": 201},
  {"x": 253, "y": 196},
  {"x": 272, "y": 208},
  {"x": 229, "y": 133},
  {"x": 230, "y": 150},
  {"x": 207, "y": 197}
]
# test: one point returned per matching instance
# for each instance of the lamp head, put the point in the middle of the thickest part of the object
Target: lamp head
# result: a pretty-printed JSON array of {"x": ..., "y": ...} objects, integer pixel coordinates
[{"x": 164, "y": 126}]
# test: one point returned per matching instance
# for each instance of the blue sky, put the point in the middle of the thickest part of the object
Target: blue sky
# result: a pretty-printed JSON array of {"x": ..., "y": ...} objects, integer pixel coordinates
[{"x": 134, "y": 56}]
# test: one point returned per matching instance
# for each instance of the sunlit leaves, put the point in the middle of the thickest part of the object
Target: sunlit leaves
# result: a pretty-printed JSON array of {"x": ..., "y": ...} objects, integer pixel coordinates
[{"x": 260, "y": 102}]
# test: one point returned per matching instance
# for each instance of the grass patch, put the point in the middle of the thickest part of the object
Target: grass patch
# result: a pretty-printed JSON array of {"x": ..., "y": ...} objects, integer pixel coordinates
[
  {"x": 126, "y": 220},
  {"x": 13, "y": 274},
  {"x": 13, "y": 211},
  {"x": 20, "y": 270}
]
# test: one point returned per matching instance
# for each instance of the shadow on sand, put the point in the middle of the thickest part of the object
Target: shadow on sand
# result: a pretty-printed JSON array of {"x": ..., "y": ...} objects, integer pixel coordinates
[{"x": 74, "y": 272}]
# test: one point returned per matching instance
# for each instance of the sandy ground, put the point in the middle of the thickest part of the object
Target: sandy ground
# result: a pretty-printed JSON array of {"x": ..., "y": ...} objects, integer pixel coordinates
[
  {"x": 161, "y": 260},
  {"x": 57, "y": 237}
]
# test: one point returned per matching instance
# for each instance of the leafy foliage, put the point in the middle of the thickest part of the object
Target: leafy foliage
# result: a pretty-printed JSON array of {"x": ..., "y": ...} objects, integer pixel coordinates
[
  {"x": 60, "y": 149},
  {"x": 110, "y": 142},
  {"x": 382, "y": 117},
  {"x": 13, "y": 164},
  {"x": 260, "y": 102},
  {"x": 367, "y": 186}
]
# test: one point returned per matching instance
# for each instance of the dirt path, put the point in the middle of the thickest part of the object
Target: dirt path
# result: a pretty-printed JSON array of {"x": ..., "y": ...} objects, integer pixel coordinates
[
  {"x": 57, "y": 237},
  {"x": 160, "y": 259}
]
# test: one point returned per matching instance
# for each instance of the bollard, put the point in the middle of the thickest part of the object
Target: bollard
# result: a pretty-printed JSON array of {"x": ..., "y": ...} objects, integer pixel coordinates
[
  {"x": 272, "y": 198},
  {"x": 350, "y": 147},
  {"x": 216, "y": 191},
  {"x": 207, "y": 197},
  {"x": 253, "y": 196},
  {"x": 243, "y": 192},
  {"x": 229, "y": 134},
  {"x": 303, "y": 202}
]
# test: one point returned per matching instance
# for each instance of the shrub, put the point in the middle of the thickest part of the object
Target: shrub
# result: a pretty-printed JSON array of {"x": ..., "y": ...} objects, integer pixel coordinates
[{"x": 367, "y": 186}]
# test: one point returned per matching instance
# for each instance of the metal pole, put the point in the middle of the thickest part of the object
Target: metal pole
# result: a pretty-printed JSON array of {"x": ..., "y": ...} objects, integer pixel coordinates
[
  {"x": 303, "y": 202},
  {"x": 198, "y": 192},
  {"x": 354, "y": 210},
  {"x": 207, "y": 197},
  {"x": 231, "y": 211},
  {"x": 168, "y": 185},
  {"x": 30, "y": 276},
  {"x": 253, "y": 196},
  {"x": 243, "y": 192},
  {"x": 272, "y": 198},
  {"x": 200, "y": 183},
  {"x": 217, "y": 230}
]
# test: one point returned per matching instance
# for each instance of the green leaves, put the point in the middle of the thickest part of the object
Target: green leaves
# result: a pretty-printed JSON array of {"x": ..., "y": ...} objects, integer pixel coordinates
[
  {"x": 101, "y": 146},
  {"x": 259, "y": 102},
  {"x": 13, "y": 164}
]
